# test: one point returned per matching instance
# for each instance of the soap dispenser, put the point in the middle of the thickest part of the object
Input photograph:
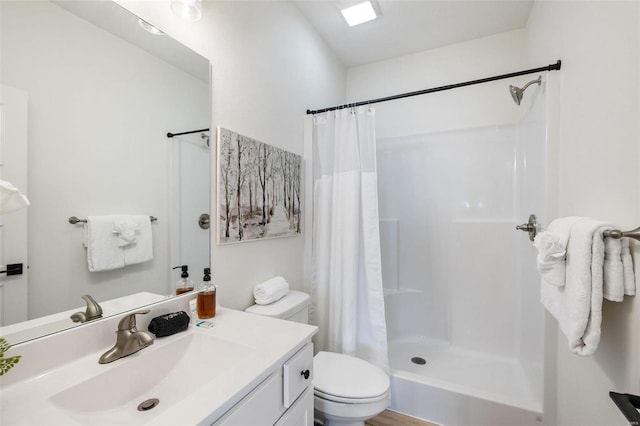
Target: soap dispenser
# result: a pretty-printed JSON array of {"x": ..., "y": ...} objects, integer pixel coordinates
[
  {"x": 207, "y": 297},
  {"x": 184, "y": 284}
]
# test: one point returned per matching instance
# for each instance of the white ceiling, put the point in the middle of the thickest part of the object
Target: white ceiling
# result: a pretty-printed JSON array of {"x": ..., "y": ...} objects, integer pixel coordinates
[
  {"x": 120, "y": 22},
  {"x": 410, "y": 26}
]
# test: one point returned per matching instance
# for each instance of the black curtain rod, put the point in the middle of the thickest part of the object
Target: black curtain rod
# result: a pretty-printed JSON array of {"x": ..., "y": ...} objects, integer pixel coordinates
[
  {"x": 550, "y": 67},
  {"x": 170, "y": 135}
]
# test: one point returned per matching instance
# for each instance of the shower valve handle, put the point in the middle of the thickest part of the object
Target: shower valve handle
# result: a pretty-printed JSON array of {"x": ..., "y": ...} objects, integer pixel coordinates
[{"x": 531, "y": 227}]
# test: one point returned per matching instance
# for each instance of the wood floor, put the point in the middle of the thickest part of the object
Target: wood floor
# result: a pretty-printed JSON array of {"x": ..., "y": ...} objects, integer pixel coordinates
[{"x": 391, "y": 418}]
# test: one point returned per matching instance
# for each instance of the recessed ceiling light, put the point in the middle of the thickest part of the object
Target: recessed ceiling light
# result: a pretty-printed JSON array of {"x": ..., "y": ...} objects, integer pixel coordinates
[
  {"x": 190, "y": 10},
  {"x": 148, "y": 27},
  {"x": 358, "y": 14}
]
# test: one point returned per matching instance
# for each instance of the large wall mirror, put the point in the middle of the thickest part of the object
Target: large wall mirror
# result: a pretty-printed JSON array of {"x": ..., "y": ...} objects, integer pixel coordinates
[{"x": 88, "y": 97}]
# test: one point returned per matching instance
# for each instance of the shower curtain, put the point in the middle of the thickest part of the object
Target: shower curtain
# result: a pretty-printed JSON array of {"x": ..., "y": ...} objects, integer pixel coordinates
[{"x": 347, "y": 295}]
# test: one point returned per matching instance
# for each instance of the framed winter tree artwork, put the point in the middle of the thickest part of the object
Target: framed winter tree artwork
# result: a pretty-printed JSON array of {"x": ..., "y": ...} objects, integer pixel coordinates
[{"x": 259, "y": 189}]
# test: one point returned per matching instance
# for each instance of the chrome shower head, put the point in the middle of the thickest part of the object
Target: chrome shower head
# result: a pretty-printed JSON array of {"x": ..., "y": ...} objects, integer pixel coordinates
[{"x": 517, "y": 93}]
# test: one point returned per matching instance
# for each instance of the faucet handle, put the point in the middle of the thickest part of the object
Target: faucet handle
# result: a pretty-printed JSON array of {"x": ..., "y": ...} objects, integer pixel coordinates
[{"x": 128, "y": 322}]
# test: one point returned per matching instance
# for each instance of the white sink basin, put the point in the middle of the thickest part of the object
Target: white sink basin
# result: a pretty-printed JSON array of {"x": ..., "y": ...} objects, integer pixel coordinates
[{"x": 169, "y": 372}]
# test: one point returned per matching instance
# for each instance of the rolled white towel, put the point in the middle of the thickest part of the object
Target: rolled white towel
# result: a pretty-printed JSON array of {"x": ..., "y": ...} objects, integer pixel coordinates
[
  {"x": 627, "y": 268},
  {"x": 552, "y": 246},
  {"x": 613, "y": 287},
  {"x": 551, "y": 258},
  {"x": 270, "y": 290},
  {"x": 619, "y": 279}
]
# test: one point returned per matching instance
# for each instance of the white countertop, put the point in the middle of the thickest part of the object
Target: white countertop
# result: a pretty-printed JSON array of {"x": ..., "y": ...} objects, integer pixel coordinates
[{"x": 58, "y": 362}]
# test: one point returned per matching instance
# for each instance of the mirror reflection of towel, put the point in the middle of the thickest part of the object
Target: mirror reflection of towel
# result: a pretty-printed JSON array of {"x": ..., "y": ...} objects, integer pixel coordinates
[
  {"x": 142, "y": 249},
  {"x": 11, "y": 199},
  {"x": 125, "y": 228},
  {"x": 103, "y": 253},
  {"x": 105, "y": 248}
]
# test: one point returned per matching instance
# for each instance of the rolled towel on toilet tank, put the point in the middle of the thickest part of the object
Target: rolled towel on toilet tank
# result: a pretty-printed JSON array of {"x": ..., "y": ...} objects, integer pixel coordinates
[
  {"x": 166, "y": 325},
  {"x": 271, "y": 290}
]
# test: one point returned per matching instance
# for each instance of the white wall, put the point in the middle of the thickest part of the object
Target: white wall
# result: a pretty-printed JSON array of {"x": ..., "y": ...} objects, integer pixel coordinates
[
  {"x": 595, "y": 150},
  {"x": 80, "y": 81},
  {"x": 469, "y": 107},
  {"x": 269, "y": 66}
]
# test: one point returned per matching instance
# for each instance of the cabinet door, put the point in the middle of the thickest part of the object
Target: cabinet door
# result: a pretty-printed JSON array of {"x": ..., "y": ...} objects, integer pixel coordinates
[
  {"x": 300, "y": 413},
  {"x": 261, "y": 407}
]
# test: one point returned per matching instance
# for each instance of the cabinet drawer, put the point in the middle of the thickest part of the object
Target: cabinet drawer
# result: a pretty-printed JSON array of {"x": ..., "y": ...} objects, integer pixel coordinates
[{"x": 297, "y": 374}]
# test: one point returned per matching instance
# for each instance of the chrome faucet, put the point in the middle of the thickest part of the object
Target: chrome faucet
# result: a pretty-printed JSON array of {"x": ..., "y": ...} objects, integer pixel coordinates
[
  {"x": 129, "y": 339},
  {"x": 93, "y": 311}
]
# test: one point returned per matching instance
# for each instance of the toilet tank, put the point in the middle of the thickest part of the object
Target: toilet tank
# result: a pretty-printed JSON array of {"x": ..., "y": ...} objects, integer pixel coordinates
[{"x": 293, "y": 307}]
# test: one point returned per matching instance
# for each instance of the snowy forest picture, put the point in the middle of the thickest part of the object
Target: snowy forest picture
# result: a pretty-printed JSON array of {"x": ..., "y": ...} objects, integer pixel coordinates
[{"x": 258, "y": 189}]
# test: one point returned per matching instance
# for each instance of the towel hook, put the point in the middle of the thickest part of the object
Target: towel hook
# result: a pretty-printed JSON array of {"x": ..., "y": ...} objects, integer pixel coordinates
[{"x": 531, "y": 227}]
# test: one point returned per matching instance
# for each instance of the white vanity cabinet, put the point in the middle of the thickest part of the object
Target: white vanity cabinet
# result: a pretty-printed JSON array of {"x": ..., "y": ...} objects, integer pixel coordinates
[{"x": 285, "y": 398}]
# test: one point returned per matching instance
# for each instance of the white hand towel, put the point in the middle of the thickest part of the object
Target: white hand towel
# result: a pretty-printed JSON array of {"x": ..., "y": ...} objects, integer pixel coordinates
[
  {"x": 11, "y": 199},
  {"x": 271, "y": 290},
  {"x": 125, "y": 228},
  {"x": 613, "y": 289},
  {"x": 103, "y": 253},
  {"x": 578, "y": 305},
  {"x": 552, "y": 246},
  {"x": 142, "y": 249},
  {"x": 627, "y": 269}
]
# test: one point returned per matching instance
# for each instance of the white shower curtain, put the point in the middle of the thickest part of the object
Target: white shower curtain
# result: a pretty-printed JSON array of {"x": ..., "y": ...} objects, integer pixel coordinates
[{"x": 347, "y": 296}]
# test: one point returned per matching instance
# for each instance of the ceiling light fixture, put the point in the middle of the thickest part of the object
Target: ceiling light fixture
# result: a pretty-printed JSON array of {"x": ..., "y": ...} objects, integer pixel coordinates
[
  {"x": 190, "y": 10},
  {"x": 358, "y": 14},
  {"x": 148, "y": 27}
]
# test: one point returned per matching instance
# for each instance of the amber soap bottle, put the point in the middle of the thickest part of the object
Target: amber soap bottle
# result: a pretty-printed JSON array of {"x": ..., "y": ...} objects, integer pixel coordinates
[{"x": 206, "y": 302}]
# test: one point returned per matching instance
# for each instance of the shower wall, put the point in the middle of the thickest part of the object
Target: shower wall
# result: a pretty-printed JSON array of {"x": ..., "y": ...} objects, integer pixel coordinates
[
  {"x": 458, "y": 276},
  {"x": 457, "y": 170},
  {"x": 452, "y": 198}
]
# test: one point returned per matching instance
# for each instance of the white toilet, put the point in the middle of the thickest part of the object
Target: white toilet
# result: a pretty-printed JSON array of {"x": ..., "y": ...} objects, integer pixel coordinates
[{"x": 347, "y": 390}]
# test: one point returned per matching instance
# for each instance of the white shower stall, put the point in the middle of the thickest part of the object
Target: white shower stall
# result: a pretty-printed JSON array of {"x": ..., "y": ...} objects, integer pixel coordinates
[{"x": 465, "y": 325}]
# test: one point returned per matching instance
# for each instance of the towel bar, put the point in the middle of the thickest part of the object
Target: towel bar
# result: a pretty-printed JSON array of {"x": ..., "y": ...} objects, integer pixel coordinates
[
  {"x": 73, "y": 220},
  {"x": 617, "y": 234}
]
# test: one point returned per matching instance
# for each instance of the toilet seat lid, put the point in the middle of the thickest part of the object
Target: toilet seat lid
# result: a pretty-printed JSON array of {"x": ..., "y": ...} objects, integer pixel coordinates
[{"x": 345, "y": 376}]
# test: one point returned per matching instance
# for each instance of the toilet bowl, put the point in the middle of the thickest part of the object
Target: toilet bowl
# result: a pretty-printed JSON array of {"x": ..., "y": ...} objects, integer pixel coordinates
[{"x": 347, "y": 390}]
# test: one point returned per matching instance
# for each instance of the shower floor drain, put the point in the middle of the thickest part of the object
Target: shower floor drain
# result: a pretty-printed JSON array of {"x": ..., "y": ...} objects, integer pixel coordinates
[{"x": 418, "y": 360}]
